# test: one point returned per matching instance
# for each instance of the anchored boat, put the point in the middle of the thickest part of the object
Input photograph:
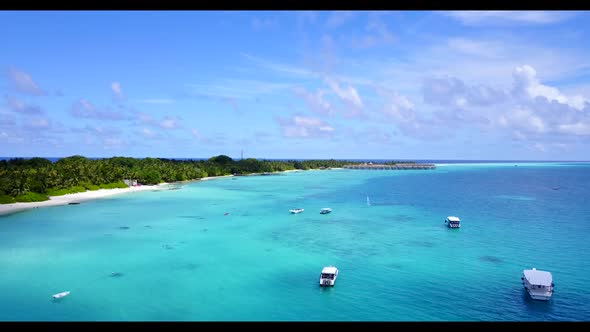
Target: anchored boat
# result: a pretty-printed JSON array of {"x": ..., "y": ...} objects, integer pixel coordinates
[
  {"x": 60, "y": 295},
  {"x": 539, "y": 284},
  {"x": 453, "y": 222},
  {"x": 328, "y": 276},
  {"x": 325, "y": 211}
]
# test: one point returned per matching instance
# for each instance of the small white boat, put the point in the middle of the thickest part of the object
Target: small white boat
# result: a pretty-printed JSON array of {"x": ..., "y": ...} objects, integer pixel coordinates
[
  {"x": 539, "y": 284},
  {"x": 453, "y": 222},
  {"x": 325, "y": 211},
  {"x": 60, "y": 295},
  {"x": 328, "y": 276},
  {"x": 295, "y": 211}
]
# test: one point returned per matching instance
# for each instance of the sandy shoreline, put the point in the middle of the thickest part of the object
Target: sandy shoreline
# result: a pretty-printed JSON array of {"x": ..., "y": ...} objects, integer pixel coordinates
[
  {"x": 75, "y": 198},
  {"x": 213, "y": 177},
  {"x": 96, "y": 194}
]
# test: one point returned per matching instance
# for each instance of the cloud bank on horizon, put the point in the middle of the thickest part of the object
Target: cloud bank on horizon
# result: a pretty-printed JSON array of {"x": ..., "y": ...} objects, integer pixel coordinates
[{"x": 387, "y": 85}]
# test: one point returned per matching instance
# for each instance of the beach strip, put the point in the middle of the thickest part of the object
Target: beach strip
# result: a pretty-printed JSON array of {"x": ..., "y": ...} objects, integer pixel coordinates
[
  {"x": 76, "y": 198},
  {"x": 96, "y": 194}
]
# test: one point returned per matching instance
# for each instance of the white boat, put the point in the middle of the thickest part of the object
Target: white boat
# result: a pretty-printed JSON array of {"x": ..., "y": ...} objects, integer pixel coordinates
[
  {"x": 295, "y": 211},
  {"x": 453, "y": 222},
  {"x": 368, "y": 201},
  {"x": 539, "y": 284},
  {"x": 328, "y": 276},
  {"x": 60, "y": 295},
  {"x": 325, "y": 210}
]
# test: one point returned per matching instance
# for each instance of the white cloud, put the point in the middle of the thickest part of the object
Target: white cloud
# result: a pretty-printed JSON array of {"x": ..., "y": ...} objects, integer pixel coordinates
[
  {"x": 526, "y": 83},
  {"x": 347, "y": 94},
  {"x": 400, "y": 110},
  {"x": 376, "y": 33},
  {"x": 85, "y": 109},
  {"x": 529, "y": 110},
  {"x": 197, "y": 134},
  {"x": 517, "y": 134},
  {"x": 579, "y": 128},
  {"x": 497, "y": 17},
  {"x": 525, "y": 121},
  {"x": 458, "y": 57},
  {"x": 316, "y": 101},
  {"x": 450, "y": 91},
  {"x": 148, "y": 133},
  {"x": 397, "y": 106},
  {"x": 117, "y": 91},
  {"x": 204, "y": 139},
  {"x": 326, "y": 128},
  {"x": 23, "y": 82},
  {"x": 170, "y": 123},
  {"x": 18, "y": 106},
  {"x": 305, "y": 127},
  {"x": 306, "y": 122}
]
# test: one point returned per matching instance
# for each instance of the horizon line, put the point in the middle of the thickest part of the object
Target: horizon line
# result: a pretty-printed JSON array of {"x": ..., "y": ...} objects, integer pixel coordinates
[{"x": 340, "y": 159}]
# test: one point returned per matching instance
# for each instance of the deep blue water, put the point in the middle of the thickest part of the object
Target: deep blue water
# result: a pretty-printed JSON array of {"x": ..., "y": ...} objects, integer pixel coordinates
[{"x": 182, "y": 258}]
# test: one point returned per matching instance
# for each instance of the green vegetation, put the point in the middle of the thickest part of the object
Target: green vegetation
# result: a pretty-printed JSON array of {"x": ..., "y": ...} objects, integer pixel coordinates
[
  {"x": 31, "y": 197},
  {"x": 28, "y": 180},
  {"x": 5, "y": 199},
  {"x": 65, "y": 191},
  {"x": 113, "y": 185}
]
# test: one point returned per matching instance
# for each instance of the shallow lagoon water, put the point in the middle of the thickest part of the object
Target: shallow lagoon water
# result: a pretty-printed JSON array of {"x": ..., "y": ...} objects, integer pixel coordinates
[{"x": 176, "y": 255}]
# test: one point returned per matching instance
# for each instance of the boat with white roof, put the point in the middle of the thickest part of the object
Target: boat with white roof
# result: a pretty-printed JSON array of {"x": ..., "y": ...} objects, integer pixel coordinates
[
  {"x": 325, "y": 211},
  {"x": 453, "y": 222},
  {"x": 328, "y": 276},
  {"x": 295, "y": 211},
  {"x": 539, "y": 284}
]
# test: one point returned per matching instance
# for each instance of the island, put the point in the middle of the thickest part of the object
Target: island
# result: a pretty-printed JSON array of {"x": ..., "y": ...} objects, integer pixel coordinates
[{"x": 73, "y": 179}]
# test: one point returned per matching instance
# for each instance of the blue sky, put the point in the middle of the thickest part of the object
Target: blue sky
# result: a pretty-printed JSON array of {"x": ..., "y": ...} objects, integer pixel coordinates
[{"x": 296, "y": 84}]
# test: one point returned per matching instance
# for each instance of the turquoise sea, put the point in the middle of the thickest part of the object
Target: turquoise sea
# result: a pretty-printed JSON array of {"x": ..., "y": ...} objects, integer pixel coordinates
[{"x": 179, "y": 257}]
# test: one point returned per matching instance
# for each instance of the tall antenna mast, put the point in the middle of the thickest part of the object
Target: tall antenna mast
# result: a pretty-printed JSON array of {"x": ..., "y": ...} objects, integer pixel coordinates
[{"x": 242, "y": 155}]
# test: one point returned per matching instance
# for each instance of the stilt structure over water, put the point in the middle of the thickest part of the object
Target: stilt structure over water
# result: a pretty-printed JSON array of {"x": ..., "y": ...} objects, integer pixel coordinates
[{"x": 401, "y": 166}]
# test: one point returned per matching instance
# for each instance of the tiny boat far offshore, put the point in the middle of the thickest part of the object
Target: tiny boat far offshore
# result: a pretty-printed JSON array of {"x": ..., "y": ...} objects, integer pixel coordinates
[
  {"x": 60, "y": 295},
  {"x": 453, "y": 222},
  {"x": 325, "y": 211}
]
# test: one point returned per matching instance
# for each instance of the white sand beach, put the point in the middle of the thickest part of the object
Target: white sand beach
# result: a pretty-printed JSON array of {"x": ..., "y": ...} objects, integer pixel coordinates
[
  {"x": 96, "y": 194},
  {"x": 76, "y": 198},
  {"x": 214, "y": 177}
]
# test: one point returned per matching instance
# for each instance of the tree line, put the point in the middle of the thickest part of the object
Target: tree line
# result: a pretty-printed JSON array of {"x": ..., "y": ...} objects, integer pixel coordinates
[{"x": 34, "y": 179}]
